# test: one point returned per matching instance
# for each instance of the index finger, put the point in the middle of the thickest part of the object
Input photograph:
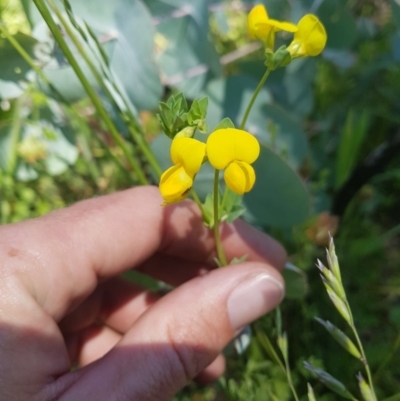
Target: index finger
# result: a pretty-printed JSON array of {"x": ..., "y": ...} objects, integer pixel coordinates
[{"x": 61, "y": 257}]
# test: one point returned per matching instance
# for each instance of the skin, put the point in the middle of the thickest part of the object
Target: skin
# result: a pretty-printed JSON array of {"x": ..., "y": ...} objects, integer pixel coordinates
[{"x": 62, "y": 299}]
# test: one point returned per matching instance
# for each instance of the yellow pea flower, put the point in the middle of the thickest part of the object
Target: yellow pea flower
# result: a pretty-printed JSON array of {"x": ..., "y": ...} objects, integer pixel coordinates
[
  {"x": 234, "y": 150},
  {"x": 187, "y": 155},
  {"x": 310, "y": 38},
  {"x": 188, "y": 152},
  {"x": 260, "y": 26}
]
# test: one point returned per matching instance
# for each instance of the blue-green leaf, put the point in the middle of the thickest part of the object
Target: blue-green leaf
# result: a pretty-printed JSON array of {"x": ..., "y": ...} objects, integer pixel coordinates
[{"x": 279, "y": 197}]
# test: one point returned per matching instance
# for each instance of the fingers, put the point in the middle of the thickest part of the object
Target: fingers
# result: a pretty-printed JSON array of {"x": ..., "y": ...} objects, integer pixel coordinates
[
  {"x": 179, "y": 336},
  {"x": 213, "y": 371},
  {"x": 175, "y": 265},
  {"x": 99, "y": 238},
  {"x": 118, "y": 303}
]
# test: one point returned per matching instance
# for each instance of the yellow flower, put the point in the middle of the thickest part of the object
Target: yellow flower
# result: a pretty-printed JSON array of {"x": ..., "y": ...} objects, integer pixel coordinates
[
  {"x": 310, "y": 39},
  {"x": 187, "y": 155},
  {"x": 234, "y": 150},
  {"x": 260, "y": 26}
]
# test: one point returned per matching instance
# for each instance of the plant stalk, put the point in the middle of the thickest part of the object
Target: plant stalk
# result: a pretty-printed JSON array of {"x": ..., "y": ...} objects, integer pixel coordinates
[
  {"x": 254, "y": 97},
  {"x": 289, "y": 379},
  {"x": 137, "y": 137},
  {"x": 44, "y": 11},
  {"x": 363, "y": 355},
  {"x": 220, "y": 251}
]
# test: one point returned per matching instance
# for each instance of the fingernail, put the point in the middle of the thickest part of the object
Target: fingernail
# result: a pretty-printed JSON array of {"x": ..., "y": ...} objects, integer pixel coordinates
[{"x": 253, "y": 298}]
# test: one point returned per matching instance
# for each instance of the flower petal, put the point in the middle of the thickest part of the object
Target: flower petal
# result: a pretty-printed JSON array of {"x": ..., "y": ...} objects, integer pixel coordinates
[
  {"x": 240, "y": 177},
  {"x": 310, "y": 39},
  {"x": 259, "y": 25},
  {"x": 258, "y": 14},
  {"x": 229, "y": 144},
  {"x": 189, "y": 153},
  {"x": 282, "y": 26},
  {"x": 175, "y": 184}
]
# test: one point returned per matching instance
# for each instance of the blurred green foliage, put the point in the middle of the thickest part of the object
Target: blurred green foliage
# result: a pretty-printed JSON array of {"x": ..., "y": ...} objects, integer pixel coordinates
[{"x": 329, "y": 128}]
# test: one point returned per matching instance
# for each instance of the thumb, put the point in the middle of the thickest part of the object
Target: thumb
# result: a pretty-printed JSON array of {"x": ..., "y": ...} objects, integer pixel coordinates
[{"x": 174, "y": 340}]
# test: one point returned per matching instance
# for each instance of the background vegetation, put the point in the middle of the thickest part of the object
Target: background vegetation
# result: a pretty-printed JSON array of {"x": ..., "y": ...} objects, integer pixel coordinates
[{"x": 330, "y": 130}]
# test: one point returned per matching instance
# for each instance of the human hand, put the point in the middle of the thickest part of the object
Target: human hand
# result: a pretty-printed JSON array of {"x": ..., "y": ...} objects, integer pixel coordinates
[{"x": 62, "y": 300}]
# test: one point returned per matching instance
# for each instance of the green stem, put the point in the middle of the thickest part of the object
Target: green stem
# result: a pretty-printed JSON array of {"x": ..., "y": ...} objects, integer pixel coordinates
[
  {"x": 44, "y": 11},
  {"x": 289, "y": 379},
  {"x": 220, "y": 251},
  {"x": 137, "y": 137},
  {"x": 363, "y": 355},
  {"x": 197, "y": 200},
  {"x": 253, "y": 99},
  {"x": 269, "y": 348}
]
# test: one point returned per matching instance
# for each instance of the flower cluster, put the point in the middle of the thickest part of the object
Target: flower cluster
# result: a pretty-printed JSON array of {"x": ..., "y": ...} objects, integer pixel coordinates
[
  {"x": 309, "y": 34},
  {"x": 228, "y": 149}
]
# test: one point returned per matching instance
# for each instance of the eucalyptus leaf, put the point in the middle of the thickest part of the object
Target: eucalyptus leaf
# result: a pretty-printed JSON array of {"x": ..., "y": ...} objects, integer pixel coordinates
[
  {"x": 13, "y": 66},
  {"x": 279, "y": 197},
  {"x": 273, "y": 126},
  {"x": 339, "y": 23},
  {"x": 187, "y": 57},
  {"x": 229, "y": 97},
  {"x": 118, "y": 25},
  {"x": 10, "y": 90}
]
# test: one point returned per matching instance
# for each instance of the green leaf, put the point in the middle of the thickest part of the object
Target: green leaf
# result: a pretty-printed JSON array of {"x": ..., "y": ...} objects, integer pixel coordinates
[
  {"x": 187, "y": 58},
  {"x": 273, "y": 126},
  {"x": 340, "y": 306},
  {"x": 329, "y": 278},
  {"x": 194, "y": 113},
  {"x": 131, "y": 61},
  {"x": 311, "y": 395},
  {"x": 228, "y": 97},
  {"x": 340, "y": 337},
  {"x": 203, "y": 105},
  {"x": 225, "y": 123},
  {"x": 231, "y": 206},
  {"x": 208, "y": 210},
  {"x": 351, "y": 139},
  {"x": 329, "y": 381},
  {"x": 279, "y": 197},
  {"x": 365, "y": 389},
  {"x": 268, "y": 347},
  {"x": 296, "y": 284},
  {"x": 299, "y": 81},
  {"x": 340, "y": 25},
  {"x": 283, "y": 345},
  {"x": 13, "y": 67}
]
